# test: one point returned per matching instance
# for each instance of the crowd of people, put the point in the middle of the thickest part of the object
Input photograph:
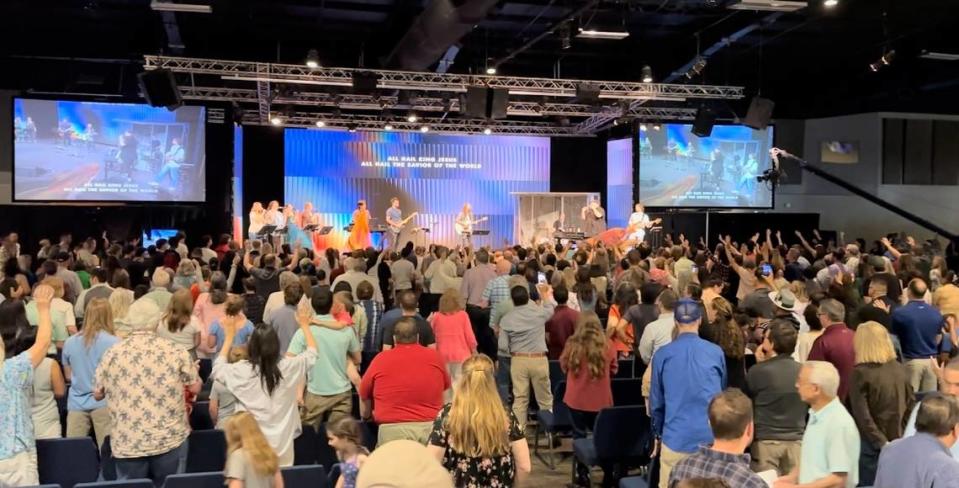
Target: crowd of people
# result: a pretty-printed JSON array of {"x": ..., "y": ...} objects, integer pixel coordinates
[{"x": 810, "y": 363}]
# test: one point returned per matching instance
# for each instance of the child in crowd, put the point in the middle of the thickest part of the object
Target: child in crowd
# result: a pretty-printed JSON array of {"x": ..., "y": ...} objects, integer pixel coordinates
[
  {"x": 222, "y": 402},
  {"x": 345, "y": 437},
  {"x": 250, "y": 461}
]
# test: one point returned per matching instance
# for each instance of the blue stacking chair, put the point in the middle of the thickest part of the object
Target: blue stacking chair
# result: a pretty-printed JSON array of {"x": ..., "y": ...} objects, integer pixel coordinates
[
  {"x": 67, "y": 462},
  {"x": 310, "y": 476},
  {"x": 200, "y": 416},
  {"x": 553, "y": 423},
  {"x": 304, "y": 447},
  {"x": 627, "y": 392},
  {"x": 625, "y": 369},
  {"x": 139, "y": 483},
  {"x": 621, "y": 437},
  {"x": 206, "y": 368},
  {"x": 334, "y": 474},
  {"x": 634, "y": 482},
  {"x": 207, "y": 451},
  {"x": 194, "y": 480}
]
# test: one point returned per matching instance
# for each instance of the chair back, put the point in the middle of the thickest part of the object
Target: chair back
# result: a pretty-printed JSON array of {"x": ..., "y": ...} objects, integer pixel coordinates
[
  {"x": 200, "y": 416},
  {"x": 207, "y": 451},
  {"x": 625, "y": 369},
  {"x": 312, "y": 476},
  {"x": 67, "y": 462},
  {"x": 195, "y": 480},
  {"x": 627, "y": 392},
  {"x": 622, "y": 433},
  {"x": 304, "y": 447},
  {"x": 562, "y": 420},
  {"x": 138, "y": 483}
]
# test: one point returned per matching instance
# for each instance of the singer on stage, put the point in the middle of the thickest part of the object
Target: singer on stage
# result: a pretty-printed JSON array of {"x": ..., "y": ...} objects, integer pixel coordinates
[
  {"x": 360, "y": 233},
  {"x": 594, "y": 218}
]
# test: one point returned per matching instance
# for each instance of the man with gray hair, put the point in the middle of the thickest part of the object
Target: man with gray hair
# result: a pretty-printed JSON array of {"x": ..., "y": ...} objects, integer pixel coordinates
[
  {"x": 830, "y": 444},
  {"x": 948, "y": 385},
  {"x": 354, "y": 275},
  {"x": 159, "y": 288},
  {"x": 143, "y": 379},
  {"x": 835, "y": 345},
  {"x": 276, "y": 300},
  {"x": 924, "y": 459}
]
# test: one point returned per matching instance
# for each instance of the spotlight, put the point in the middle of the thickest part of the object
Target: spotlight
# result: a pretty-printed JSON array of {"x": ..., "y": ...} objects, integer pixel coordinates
[
  {"x": 411, "y": 118},
  {"x": 487, "y": 131},
  {"x": 312, "y": 59},
  {"x": 888, "y": 57},
  {"x": 424, "y": 128},
  {"x": 647, "y": 74},
  {"x": 388, "y": 126},
  {"x": 491, "y": 70},
  {"x": 697, "y": 68},
  {"x": 320, "y": 124},
  {"x": 276, "y": 119},
  {"x": 351, "y": 127},
  {"x": 830, "y": 3},
  {"x": 657, "y": 127},
  {"x": 874, "y": 67},
  {"x": 642, "y": 127},
  {"x": 615, "y": 122}
]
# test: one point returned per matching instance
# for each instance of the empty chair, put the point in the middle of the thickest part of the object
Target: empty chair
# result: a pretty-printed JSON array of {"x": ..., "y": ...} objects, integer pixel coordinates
[
  {"x": 627, "y": 392},
  {"x": 553, "y": 423},
  {"x": 311, "y": 476},
  {"x": 140, "y": 483},
  {"x": 625, "y": 369},
  {"x": 634, "y": 482},
  {"x": 195, "y": 480},
  {"x": 304, "y": 447},
  {"x": 67, "y": 462},
  {"x": 200, "y": 416},
  {"x": 621, "y": 438},
  {"x": 206, "y": 367},
  {"x": 207, "y": 451}
]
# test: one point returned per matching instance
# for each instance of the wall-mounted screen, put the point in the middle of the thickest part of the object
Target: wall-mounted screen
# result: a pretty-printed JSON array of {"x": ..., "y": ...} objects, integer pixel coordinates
[
  {"x": 75, "y": 151},
  {"x": 679, "y": 169},
  {"x": 839, "y": 152}
]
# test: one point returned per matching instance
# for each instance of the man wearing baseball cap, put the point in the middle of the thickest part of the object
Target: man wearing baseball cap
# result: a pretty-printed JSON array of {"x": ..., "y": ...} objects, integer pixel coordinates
[{"x": 687, "y": 374}]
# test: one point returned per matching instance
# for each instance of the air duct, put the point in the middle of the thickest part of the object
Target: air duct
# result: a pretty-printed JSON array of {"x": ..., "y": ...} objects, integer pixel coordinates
[{"x": 442, "y": 24}]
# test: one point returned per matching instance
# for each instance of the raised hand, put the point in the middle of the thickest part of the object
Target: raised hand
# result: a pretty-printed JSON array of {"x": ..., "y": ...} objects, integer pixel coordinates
[
  {"x": 799, "y": 234},
  {"x": 43, "y": 294}
]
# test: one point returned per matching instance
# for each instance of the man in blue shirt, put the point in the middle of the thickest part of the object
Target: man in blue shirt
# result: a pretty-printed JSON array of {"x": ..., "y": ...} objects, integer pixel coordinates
[
  {"x": 924, "y": 459},
  {"x": 919, "y": 328},
  {"x": 394, "y": 219},
  {"x": 687, "y": 374}
]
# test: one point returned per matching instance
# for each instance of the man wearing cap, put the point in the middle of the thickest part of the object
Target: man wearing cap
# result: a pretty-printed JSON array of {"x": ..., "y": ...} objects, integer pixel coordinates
[
  {"x": 74, "y": 286},
  {"x": 143, "y": 379},
  {"x": 686, "y": 374}
]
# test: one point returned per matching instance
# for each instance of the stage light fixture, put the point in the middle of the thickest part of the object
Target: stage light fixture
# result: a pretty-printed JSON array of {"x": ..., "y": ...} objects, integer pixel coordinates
[
  {"x": 351, "y": 127},
  {"x": 320, "y": 124},
  {"x": 411, "y": 118},
  {"x": 425, "y": 128},
  {"x": 602, "y": 34},
  {"x": 276, "y": 119},
  {"x": 491, "y": 70},
  {"x": 642, "y": 127},
  {"x": 657, "y": 127},
  {"x": 647, "y": 74},
  {"x": 388, "y": 127},
  {"x": 697, "y": 68},
  {"x": 312, "y": 59},
  {"x": 487, "y": 131},
  {"x": 830, "y": 3}
]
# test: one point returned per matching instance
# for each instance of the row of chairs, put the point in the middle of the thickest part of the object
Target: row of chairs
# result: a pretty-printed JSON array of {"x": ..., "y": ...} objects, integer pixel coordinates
[{"x": 312, "y": 476}]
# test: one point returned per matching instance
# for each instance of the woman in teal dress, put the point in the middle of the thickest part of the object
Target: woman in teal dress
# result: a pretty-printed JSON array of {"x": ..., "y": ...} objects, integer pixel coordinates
[{"x": 294, "y": 233}]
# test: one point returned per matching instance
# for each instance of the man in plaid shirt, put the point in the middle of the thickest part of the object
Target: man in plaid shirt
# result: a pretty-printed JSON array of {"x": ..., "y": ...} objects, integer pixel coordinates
[{"x": 731, "y": 420}]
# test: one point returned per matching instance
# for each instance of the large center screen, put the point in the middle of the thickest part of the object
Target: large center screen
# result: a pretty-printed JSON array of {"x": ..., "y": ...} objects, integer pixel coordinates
[
  {"x": 431, "y": 174},
  {"x": 93, "y": 151},
  {"x": 680, "y": 169}
]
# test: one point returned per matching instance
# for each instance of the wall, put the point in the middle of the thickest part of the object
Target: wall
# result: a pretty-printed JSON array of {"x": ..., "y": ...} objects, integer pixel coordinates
[{"x": 841, "y": 210}]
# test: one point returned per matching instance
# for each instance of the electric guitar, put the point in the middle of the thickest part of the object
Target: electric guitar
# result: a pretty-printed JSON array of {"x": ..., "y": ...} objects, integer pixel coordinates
[
  {"x": 639, "y": 226},
  {"x": 467, "y": 227},
  {"x": 399, "y": 227}
]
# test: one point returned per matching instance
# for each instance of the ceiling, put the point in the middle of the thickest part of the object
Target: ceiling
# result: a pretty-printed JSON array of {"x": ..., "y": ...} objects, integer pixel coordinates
[{"x": 812, "y": 63}]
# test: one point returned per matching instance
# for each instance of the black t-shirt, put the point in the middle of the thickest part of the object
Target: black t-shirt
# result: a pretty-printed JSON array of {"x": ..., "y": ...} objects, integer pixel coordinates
[{"x": 389, "y": 320}]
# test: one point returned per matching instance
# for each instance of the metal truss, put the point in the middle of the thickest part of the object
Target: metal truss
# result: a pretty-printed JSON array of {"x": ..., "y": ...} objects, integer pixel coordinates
[
  {"x": 429, "y": 81},
  {"x": 428, "y": 104},
  {"x": 435, "y": 124}
]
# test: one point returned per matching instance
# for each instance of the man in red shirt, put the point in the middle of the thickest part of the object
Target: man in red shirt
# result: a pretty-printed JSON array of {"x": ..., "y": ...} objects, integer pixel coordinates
[
  {"x": 561, "y": 325},
  {"x": 835, "y": 345},
  {"x": 406, "y": 385}
]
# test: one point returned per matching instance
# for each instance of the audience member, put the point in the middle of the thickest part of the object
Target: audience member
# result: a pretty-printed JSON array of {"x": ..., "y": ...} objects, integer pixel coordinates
[
  {"x": 835, "y": 345},
  {"x": 267, "y": 384},
  {"x": 250, "y": 460},
  {"x": 150, "y": 429},
  {"x": 525, "y": 330},
  {"x": 641, "y": 315},
  {"x": 222, "y": 403},
  {"x": 560, "y": 327},
  {"x": 780, "y": 412},
  {"x": 618, "y": 329},
  {"x": 403, "y": 464},
  {"x": 64, "y": 321},
  {"x": 253, "y": 304},
  {"x": 179, "y": 324},
  {"x": 266, "y": 276},
  {"x": 355, "y": 275},
  {"x": 455, "y": 341},
  {"x": 731, "y": 422},
  {"x": 725, "y": 333},
  {"x": 830, "y": 444},
  {"x": 346, "y": 439},
  {"x": 919, "y": 329},
  {"x": 404, "y": 275},
  {"x": 924, "y": 459},
  {"x": 405, "y": 385},
  {"x": 475, "y": 438},
  {"x": 276, "y": 299},
  {"x": 283, "y": 320},
  {"x": 373, "y": 339},
  {"x": 659, "y": 332},
  {"x": 233, "y": 308},
  {"x": 948, "y": 385},
  {"x": 159, "y": 288},
  {"x": 407, "y": 309},
  {"x": 99, "y": 288},
  {"x": 477, "y": 278},
  {"x": 503, "y": 359},
  {"x": 686, "y": 374}
]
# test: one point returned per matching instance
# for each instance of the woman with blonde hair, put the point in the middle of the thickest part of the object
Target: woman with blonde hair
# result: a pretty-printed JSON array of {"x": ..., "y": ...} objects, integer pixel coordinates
[
  {"x": 257, "y": 219},
  {"x": 81, "y": 356},
  {"x": 120, "y": 301},
  {"x": 880, "y": 395},
  {"x": 455, "y": 341},
  {"x": 179, "y": 324},
  {"x": 475, "y": 437},
  {"x": 250, "y": 460}
]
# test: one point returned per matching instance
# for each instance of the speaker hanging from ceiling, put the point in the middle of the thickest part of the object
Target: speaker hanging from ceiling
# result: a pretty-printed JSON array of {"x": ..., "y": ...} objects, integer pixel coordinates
[
  {"x": 705, "y": 119},
  {"x": 486, "y": 103},
  {"x": 759, "y": 114},
  {"x": 160, "y": 89}
]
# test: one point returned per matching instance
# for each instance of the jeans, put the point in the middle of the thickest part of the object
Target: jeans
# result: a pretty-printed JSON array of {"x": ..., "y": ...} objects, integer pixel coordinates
[
  {"x": 391, "y": 240},
  {"x": 503, "y": 380},
  {"x": 171, "y": 169},
  {"x": 156, "y": 467},
  {"x": 582, "y": 422}
]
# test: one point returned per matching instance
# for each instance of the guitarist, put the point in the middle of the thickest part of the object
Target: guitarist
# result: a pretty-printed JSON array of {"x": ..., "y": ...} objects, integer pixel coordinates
[
  {"x": 395, "y": 223},
  {"x": 464, "y": 224},
  {"x": 638, "y": 223}
]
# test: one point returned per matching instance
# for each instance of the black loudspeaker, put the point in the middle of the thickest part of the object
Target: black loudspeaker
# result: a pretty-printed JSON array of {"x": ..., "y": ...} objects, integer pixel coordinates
[
  {"x": 705, "y": 119},
  {"x": 475, "y": 102},
  {"x": 587, "y": 93},
  {"x": 760, "y": 111},
  {"x": 499, "y": 102},
  {"x": 159, "y": 88},
  {"x": 364, "y": 82},
  {"x": 486, "y": 103}
]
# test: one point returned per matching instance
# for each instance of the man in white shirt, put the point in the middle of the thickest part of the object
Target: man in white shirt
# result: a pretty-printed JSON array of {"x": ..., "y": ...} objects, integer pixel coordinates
[
  {"x": 206, "y": 253},
  {"x": 659, "y": 332}
]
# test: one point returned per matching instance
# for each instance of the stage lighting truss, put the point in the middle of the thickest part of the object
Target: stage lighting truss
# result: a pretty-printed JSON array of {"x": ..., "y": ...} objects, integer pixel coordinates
[{"x": 551, "y": 94}]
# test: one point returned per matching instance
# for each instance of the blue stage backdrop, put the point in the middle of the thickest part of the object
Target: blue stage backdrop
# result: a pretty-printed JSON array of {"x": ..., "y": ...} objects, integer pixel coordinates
[
  {"x": 430, "y": 173},
  {"x": 619, "y": 181}
]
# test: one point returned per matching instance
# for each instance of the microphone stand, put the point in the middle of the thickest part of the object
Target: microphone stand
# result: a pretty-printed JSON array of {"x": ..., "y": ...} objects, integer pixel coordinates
[{"x": 803, "y": 164}]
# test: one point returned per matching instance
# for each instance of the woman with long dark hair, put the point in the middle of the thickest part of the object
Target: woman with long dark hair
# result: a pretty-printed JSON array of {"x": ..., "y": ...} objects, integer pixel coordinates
[
  {"x": 266, "y": 384},
  {"x": 586, "y": 294},
  {"x": 618, "y": 329}
]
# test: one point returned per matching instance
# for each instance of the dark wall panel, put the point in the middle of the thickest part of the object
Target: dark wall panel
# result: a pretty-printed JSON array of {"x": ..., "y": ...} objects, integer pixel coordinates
[
  {"x": 892, "y": 151},
  {"x": 790, "y": 136},
  {"x": 945, "y": 153},
  {"x": 918, "y": 153},
  {"x": 578, "y": 165},
  {"x": 263, "y": 167}
]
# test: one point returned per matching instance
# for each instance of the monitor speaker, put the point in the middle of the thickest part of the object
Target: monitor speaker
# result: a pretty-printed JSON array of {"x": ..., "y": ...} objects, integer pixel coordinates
[
  {"x": 759, "y": 114},
  {"x": 476, "y": 102},
  {"x": 159, "y": 88},
  {"x": 705, "y": 119}
]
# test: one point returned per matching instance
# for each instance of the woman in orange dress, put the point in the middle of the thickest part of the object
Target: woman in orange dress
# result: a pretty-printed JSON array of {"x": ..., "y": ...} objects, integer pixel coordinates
[{"x": 360, "y": 235}]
